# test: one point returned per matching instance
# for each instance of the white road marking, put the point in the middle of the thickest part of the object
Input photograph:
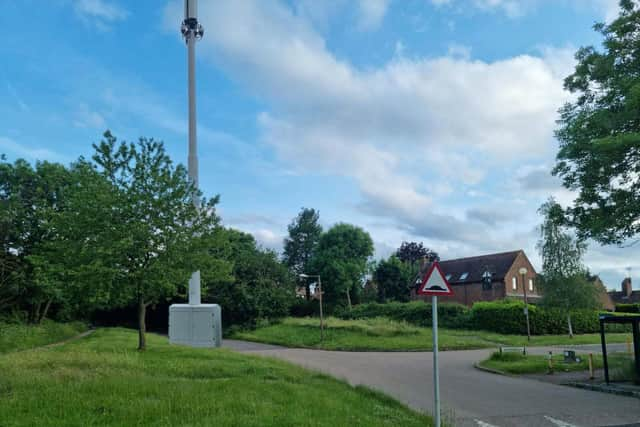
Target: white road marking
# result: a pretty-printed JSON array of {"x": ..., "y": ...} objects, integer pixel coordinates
[
  {"x": 483, "y": 424},
  {"x": 559, "y": 423}
]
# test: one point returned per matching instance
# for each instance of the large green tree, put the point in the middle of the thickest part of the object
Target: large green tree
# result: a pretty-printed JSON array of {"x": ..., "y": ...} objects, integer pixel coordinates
[
  {"x": 28, "y": 197},
  {"x": 302, "y": 242},
  {"x": 393, "y": 279},
  {"x": 413, "y": 252},
  {"x": 130, "y": 233},
  {"x": 341, "y": 261},
  {"x": 564, "y": 281},
  {"x": 599, "y": 133},
  {"x": 261, "y": 286}
]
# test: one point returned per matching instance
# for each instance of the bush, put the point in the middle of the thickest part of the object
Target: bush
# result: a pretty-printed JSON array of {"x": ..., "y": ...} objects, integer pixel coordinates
[
  {"x": 415, "y": 313},
  {"x": 303, "y": 308},
  {"x": 627, "y": 308},
  {"x": 508, "y": 318}
]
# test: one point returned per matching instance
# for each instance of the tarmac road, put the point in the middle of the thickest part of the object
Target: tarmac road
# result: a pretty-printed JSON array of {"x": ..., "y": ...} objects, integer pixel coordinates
[{"x": 470, "y": 396}]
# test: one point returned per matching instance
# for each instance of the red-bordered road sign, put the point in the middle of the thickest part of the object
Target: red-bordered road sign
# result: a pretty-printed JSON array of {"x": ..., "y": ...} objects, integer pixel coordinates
[{"x": 434, "y": 282}]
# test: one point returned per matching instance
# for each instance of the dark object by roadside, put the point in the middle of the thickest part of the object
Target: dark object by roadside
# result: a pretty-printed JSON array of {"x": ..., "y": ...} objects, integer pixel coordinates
[{"x": 635, "y": 324}]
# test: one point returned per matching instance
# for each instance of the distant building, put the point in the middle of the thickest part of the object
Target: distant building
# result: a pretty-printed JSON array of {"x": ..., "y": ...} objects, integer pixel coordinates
[
  {"x": 488, "y": 278},
  {"x": 627, "y": 295}
]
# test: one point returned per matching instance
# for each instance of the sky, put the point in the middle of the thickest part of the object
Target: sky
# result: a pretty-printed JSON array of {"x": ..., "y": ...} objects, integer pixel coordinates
[{"x": 417, "y": 120}]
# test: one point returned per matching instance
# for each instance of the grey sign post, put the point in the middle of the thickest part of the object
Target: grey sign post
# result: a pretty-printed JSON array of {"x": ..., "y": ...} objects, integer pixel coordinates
[{"x": 434, "y": 283}]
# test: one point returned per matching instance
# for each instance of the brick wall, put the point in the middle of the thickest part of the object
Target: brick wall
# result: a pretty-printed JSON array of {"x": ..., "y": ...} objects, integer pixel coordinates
[{"x": 520, "y": 261}]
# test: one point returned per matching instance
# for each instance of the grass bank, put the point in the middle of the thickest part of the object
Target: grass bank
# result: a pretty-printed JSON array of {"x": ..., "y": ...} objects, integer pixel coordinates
[
  {"x": 103, "y": 380},
  {"x": 514, "y": 363},
  {"x": 382, "y": 334},
  {"x": 16, "y": 336}
]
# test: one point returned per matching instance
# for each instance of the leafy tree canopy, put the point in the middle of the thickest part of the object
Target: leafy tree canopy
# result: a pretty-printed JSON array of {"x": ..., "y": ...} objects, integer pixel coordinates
[
  {"x": 599, "y": 133},
  {"x": 28, "y": 197},
  {"x": 564, "y": 282},
  {"x": 261, "y": 287},
  {"x": 412, "y": 252},
  {"x": 393, "y": 280},
  {"x": 341, "y": 261},
  {"x": 130, "y": 232},
  {"x": 302, "y": 242}
]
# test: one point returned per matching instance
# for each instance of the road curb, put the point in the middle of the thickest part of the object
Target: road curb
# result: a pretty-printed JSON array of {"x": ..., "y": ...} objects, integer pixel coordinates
[
  {"x": 491, "y": 370},
  {"x": 603, "y": 388}
]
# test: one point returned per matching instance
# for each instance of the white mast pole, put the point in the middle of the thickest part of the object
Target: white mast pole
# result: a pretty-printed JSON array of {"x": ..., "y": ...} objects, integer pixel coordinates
[{"x": 192, "y": 31}]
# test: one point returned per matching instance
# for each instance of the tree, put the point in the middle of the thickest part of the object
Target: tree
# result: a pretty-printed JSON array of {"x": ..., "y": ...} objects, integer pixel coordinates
[
  {"x": 599, "y": 133},
  {"x": 341, "y": 261},
  {"x": 28, "y": 196},
  {"x": 393, "y": 280},
  {"x": 564, "y": 281},
  {"x": 300, "y": 246},
  {"x": 261, "y": 287},
  {"x": 130, "y": 232},
  {"x": 413, "y": 252}
]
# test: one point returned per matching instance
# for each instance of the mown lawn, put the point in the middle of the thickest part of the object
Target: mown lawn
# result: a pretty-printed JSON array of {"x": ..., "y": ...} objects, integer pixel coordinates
[
  {"x": 513, "y": 363},
  {"x": 103, "y": 380},
  {"x": 15, "y": 336},
  {"x": 382, "y": 334}
]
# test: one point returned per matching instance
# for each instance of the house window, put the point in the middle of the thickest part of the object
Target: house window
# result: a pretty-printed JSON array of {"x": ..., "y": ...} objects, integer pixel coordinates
[
  {"x": 464, "y": 276},
  {"x": 486, "y": 280},
  {"x": 514, "y": 283},
  {"x": 531, "y": 285}
]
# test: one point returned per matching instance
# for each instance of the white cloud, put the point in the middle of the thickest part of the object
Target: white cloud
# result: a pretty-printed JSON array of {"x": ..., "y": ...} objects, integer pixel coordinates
[
  {"x": 102, "y": 13},
  {"x": 87, "y": 118},
  {"x": 17, "y": 98},
  {"x": 368, "y": 15},
  {"x": 371, "y": 13},
  {"x": 516, "y": 8},
  {"x": 10, "y": 147},
  {"x": 268, "y": 239},
  {"x": 399, "y": 131}
]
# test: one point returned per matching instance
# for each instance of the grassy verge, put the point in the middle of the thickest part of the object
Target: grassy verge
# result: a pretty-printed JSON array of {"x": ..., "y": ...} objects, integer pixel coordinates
[
  {"x": 514, "y": 363},
  {"x": 15, "y": 337},
  {"x": 387, "y": 335},
  {"x": 103, "y": 380}
]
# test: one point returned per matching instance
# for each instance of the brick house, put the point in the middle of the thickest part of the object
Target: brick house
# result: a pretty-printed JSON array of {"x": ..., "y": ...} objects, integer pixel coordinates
[
  {"x": 627, "y": 295},
  {"x": 502, "y": 279}
]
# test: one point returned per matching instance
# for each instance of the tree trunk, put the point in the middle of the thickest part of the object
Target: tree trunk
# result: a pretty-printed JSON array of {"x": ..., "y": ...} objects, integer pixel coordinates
[
  {"x": 570, "y": 326},
  {"x": 35, "y": 315},
  {"x": 349, "y": 298},
  {"x": 45, "y": 311},
  {"x": 307, "y": 287},
  {"x": 142, "y": 325}
]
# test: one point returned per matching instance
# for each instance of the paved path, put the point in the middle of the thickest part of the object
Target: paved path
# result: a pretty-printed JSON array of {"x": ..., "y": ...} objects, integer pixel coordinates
[{"x": 472, "y": 397}]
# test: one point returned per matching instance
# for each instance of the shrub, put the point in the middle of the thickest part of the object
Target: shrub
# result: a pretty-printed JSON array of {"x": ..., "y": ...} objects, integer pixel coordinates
[
  {"x": 415, "y": 313},
  {"x": 303, "y": 308},
  {"x": 628, "y": 308},
  {"x": 508, "y": 318}
]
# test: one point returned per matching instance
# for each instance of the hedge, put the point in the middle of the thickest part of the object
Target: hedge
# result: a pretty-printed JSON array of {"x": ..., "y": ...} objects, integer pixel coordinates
[
  {"x": 416, "y": 313},
  {"x": 505, "y": 316},
  {"x": 628, "y": 308}
]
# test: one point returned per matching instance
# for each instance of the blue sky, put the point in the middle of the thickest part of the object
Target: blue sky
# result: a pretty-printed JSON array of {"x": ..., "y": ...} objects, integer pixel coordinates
[{"x": 427, "y": 120}]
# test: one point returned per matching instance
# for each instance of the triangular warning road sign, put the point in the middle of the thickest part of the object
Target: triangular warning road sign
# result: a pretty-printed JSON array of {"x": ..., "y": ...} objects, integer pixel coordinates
[{"x": 434, "y": 282}]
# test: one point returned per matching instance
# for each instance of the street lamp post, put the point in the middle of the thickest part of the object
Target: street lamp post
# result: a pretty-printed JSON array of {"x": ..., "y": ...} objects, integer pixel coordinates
[
  {"x": 191, "y": 31},
  {"x": 523, "y": 272},
  {"x": 307, "y": 276}
]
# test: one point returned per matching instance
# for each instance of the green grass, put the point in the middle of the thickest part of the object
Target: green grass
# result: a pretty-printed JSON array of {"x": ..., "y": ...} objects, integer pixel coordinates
[
  {"x": 382, "y": 334},
  {"x": 16, "y": 336},
  {"x": 515, "y": 363},
  {"x": 103, "y": 380}
]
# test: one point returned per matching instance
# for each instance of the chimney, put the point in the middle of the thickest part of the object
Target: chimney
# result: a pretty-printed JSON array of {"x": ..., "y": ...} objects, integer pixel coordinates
[{"x": 627, "y": 290}]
